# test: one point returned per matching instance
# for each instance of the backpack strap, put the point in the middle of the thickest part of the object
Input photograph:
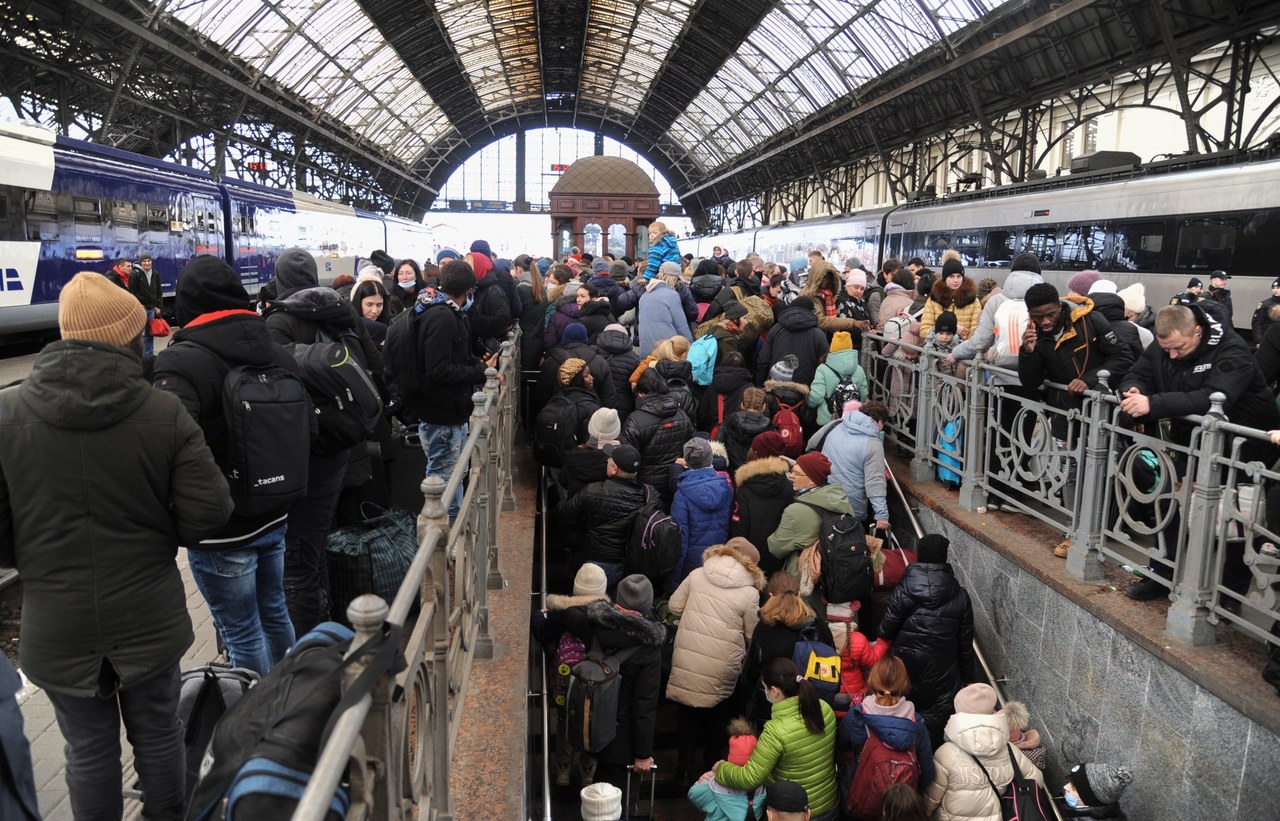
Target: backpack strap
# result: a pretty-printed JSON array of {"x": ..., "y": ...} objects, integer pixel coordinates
[
  {"x": 987, "y": 776},
  {"x": 720, "y": 405}
]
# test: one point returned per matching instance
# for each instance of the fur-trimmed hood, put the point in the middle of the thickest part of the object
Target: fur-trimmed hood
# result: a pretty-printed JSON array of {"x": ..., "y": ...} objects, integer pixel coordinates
[
  {"x": 772, "y": 385},
  {"x": 725, "y": 567},
  {"x": 606, "y": 618},
  {"x": 818, "y": 274},
  {"x": 558, "y": 602},
  {"x": 759, "y": 467},
  {"x": 947, "y": 298}
]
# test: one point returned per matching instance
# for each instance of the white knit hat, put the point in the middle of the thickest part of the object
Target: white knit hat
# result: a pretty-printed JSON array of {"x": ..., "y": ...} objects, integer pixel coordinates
[
  {"x": 1135, "y": 298},
  {"x": 605, "y": 425},
  {"x": 601, "y": 802},
  {"x": 590, "y": 580},
  {"x": 1103, "y": 286}
]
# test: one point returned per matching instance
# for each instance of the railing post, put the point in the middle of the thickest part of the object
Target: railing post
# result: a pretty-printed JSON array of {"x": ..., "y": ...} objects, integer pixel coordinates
[
  {"x": 479, "y": 553},
  {"x": 1084, "y": 560},
  {"x": 509, "y": 422},
  {"x": 921, "y": 467},
  {"x": 493, "y": 445},
  {"x": 1193, "y": 575},
  {"x": 435, "y": 584},
  {"x": 378, "y": 779},
  {"x": 973, "y": 492}
]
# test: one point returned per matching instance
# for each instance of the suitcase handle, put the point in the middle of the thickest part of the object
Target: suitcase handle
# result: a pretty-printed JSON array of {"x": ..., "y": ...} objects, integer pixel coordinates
[{"x": 653, "y": 785}]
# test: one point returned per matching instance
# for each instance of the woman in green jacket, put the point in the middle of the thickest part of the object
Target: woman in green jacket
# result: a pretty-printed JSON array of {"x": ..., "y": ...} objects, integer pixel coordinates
[{"x": 797, "y": 744}]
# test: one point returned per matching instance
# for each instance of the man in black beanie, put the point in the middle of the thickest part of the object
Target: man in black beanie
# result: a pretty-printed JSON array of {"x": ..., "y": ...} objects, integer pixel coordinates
[
  {"x": 1067, "y": 342},
  {"x": 233, "y": 565},
  {"x": 929, "y": 619}
]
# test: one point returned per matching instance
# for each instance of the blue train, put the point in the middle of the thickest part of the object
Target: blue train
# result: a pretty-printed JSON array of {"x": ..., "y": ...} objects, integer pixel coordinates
[{"x": 69, "y": 206}]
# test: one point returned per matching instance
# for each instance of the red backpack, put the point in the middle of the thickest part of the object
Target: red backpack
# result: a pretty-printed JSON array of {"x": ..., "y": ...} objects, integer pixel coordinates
[
  {"x": 787, "y": 424},
  {"x": 879, "y": 768}
]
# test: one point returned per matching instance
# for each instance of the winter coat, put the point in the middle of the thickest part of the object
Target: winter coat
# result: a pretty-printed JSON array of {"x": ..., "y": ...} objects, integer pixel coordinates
[
  {"x": 560, "y": 314},
  {"x": 600, "y": 510},
  {"x": 1180, "y": 387},
  {"x": 763, "y": 493},
  {"x": 595, "y": 315},
  {"x": 929, "y": 619},
  {"x": 720, "y": 803},
  {"x": 618, "y": 353},
  {"x": 705, "y": 287},
  {"x": 960, "y": 791},
  {"x": 728, "y": 381},
  {"x": 295, "y": 319},
  {"x": 664, "y": 250},
  {"x": 547, "y": 628},
  {"x": 490, "y": 315},
  {"x": 702, "y": 508},
  {"x": 857, "y": 654},
  {"x": 549, "y": 379},
  {"x": 826, "y": 278},
  {"x": 192, "y": 368},
  {"x": 581, "y": 466},
  {"x": 1262, "y": 318},
  {"x": 794, "y": 396},
  {"x": 896, "y": 300},
  {"x": 658, "y": 429},
  {"x": 737, "y": 432},
  {"x": 1087, "y": 345},
  {"x": 800, "y": 524},
  {"x": 1112, "y": 307},
  {"x": 717, "y": 605},
  {"x": 796, "y": 333},
  {"x": 962, "y": 302},
  {"x": 641, "y": 674},
  {"x": 661, "y": 317},
  {"x": 501, "y": 273},
  {"x": 769, "y": 642},
  {"x": 532, "y": 316},
  {"x": 787, "y": 751},
  {"x": 678, "y": 374},
  {"x": 857, "y": 463},
  {"x": 1015, "y": 287},
  {"x": 18, "y": 798},
  {"x": 105, "y": 477},
  {"x": 452, "y": 372},
  {"x": 839, "y": 365},
  {"x": 898, "y": 728}
]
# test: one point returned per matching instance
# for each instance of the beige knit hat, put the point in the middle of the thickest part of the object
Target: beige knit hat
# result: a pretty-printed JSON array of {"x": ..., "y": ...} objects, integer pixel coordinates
[{"x": 94, "y": 308}]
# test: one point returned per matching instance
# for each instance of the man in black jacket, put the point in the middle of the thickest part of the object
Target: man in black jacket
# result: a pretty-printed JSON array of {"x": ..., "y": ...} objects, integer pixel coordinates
[
  {"x": 138, "y": 283},
  {"x": 451, "y": 373},
  {"x": 240, "y": 568},
  {"x": 600, "y": 510},
  {"x": 1196, "y": 355}
]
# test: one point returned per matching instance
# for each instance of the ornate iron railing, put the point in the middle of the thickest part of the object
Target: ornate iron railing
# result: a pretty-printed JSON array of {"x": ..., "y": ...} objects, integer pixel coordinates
[{"x": 393, "y": 747}]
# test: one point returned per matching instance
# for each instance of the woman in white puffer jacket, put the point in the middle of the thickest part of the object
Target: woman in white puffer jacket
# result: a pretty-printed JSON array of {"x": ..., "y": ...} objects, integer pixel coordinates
[
  {"x": 718, "y": 605},
  {"x": 961, "y": 792}
]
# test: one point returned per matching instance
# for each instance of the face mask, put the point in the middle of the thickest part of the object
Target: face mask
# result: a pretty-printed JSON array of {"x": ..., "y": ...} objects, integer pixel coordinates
[
  {"x": 550, "y": 288},
  {"x": 1072, "y": 800},
  {"x": 467, "y": 305},
  {"x": 407, "y": 284}
]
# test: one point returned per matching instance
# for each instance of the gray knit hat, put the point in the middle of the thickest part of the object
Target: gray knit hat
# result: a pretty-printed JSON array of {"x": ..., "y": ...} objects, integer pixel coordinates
[
  {"x": 784, "y": 370},
  {"x": 697, "y": 453},
  {"x": 635, "y": 592}
]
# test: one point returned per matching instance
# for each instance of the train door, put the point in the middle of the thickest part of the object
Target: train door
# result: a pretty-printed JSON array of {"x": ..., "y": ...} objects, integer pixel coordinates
[
  {"x": 893, "y": 242},
  {"x": 209, "y": 230}
]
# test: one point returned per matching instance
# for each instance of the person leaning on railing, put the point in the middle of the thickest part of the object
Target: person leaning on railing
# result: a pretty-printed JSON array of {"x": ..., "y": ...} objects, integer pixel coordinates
[{"x": 1196, "y": 355}]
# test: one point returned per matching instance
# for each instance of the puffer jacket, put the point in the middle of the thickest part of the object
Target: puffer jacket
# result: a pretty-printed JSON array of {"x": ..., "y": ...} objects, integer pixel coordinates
[
  {"x": 661, "y": 317},
  {"x": 839, "y": 365},
  {"x": 800, "y": 523},
  {"x": 127, "y": 478},
  {"x": 532, "y": 316},
  {"x": 562, "y": 312},
  {"x": 1015, "y": 287},
  {"x": 794, "y": 395},
  {"x": 618, "y": 353},
  {"x": 297, "y": 318},
  {"x": 898, "y": 728},
  {"x": 857, "y": 463},
  {"x": 702, "y": 508},
  {"x": 549, "y": 380},
  {"x": 763, "y": 493},
  {"x": 960, "y": 791},
  {"x": 678, "y": 374},
  {"x": 728, "y": 381},
  {"x": 787, "y": 751},
  {"x": 720, "y": 803},
  {"x": 597, "y": 510},
  {"x": 717, "y": 605},
  {"x": 547, "y": 627},
  {"x": 1111, "y": 306},
  {"x": 795, "y": 333},
  {"x": 737, "y": 432},
  {"x": 774, "y": 641},
  {"x": 929, "y": 619},
  {"x": 896, "y": 300},
  {"x": 963, "y": 302},
  {"x": 658, "y": 429},
  {"x": 664, "y": 250},
  {"x": 823, "y": 277},
  {"x": 641, "y": 674},
  {"x": 595, "y": 315}
]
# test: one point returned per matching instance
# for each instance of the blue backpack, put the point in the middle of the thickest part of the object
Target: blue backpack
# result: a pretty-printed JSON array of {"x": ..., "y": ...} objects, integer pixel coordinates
[
  {"x": 817, "y": 661},
  {"x": 702, "y": 357},
  {"x": 950, "y": 442}
]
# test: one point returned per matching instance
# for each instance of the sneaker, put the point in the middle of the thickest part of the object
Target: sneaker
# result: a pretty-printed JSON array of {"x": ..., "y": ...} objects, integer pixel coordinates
[
  {"x": 563, "y": 772},
  {"x": 1146, "y": 589},
  {"x": 1062, "y": 549}
]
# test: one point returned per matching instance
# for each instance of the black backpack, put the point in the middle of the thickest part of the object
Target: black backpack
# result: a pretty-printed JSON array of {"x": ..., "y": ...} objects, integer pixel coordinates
[
  {"x": 402, "y": 352},
  {"x": 655, "y": 543},
  {"x": 206, "y": 693},
  {"x": 555, "y": 430},
  {"x": 844, "y": 392},
  {"x": 347, "y": 403},
  {"x": 266, "y": 745},
  {"x": 591, "y": 702},
  {"x": 846, "y": 561}
]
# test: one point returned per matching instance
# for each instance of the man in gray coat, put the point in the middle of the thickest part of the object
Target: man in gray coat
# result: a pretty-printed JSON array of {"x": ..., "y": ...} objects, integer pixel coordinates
[{"x": 102, "y": 477}]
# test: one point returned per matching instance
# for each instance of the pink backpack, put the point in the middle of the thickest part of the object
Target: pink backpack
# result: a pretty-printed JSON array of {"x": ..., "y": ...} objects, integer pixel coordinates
[{"x": 569, "y": 652}]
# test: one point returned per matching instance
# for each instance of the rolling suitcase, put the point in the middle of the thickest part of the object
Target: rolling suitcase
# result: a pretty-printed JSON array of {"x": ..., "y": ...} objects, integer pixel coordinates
[{"x": 634, "y": 812}]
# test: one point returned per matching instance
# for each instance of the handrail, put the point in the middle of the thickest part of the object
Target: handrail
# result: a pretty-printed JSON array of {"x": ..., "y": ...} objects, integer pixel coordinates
[
  {"x": 542, "y": 662},
  {"x": 391, "y": 772}
]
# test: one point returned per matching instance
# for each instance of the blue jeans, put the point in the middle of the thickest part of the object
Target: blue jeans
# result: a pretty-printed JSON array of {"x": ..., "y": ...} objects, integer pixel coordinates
[
  {"x": 306, "y": 576},
  {"x": 148, "y": 341},
  {"x": 443, "y": 446},
  {"x": 91, "y": 728},
  {"x": 245, "y": 592}
]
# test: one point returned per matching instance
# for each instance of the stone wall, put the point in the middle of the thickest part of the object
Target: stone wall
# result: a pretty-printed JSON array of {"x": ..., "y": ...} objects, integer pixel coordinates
[{"x": 1095, "y": 695}]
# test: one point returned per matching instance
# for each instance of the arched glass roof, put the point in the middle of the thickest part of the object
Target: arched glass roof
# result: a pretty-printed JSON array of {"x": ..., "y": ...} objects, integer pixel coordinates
[{"x": 792, "y": 60}]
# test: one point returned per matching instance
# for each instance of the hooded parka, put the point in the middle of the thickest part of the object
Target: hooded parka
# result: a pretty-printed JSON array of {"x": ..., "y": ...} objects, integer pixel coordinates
[
  {"x": 796, "y": 332},
  {"x": 763, "y": 493},
  {"x": 960, "y": 792},
  {"x": 787, "y": 751},
  {"x": 857, "y": 464},
  {"x": 963, "y": 302},
  {"x": 702, "y": 508}
]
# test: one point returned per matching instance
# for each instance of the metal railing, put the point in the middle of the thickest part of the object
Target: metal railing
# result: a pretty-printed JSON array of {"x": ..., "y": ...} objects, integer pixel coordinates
[
  {"x": 1193, "y": 506},
  {"x": 393, "y": 746}
]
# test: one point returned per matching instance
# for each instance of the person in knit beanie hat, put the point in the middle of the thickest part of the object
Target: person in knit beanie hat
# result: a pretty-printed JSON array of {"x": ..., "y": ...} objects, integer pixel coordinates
[
  {"x": 977, "y": 699},
  {"x": 816, "y": 466},
  {"x": 1080, "y": 284},
  {"x": 1094, "y": 790},
  {"x": 721, "y": 803},
  {"x": 601, "y": 802},
  {"x": 604, "y": 428},
  {"x": 784, "y": 370},
  {"x": 93, "y": 309},
  {"x": 769, "y": 443}
]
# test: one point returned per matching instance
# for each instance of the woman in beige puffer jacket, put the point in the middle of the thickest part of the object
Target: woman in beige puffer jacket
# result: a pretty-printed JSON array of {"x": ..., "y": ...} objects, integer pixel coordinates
[
  {"x": 718, "y": 605},
  {"x": 960, "y": 791}
]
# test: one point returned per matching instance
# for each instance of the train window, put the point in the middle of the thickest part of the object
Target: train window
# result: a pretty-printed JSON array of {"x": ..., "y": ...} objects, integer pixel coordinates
[
  {"x": 1254, "y": 253},
  {"x": 1138, "y": 247},
  {"x": 42, "y": 221},
  {"x": 1081, "y": 247},
  {"x": 41, "y": 202},
  {"x": 157, "y": 218},
  {"x": 934, "y": 245},
  {"x": 4, "y": 209},
  {"x": 1042, "y": 242},
  {"x": 88, "y": 219},
  {"x": 999, "y": 250},
  {"x": 1206, "y": 244}
]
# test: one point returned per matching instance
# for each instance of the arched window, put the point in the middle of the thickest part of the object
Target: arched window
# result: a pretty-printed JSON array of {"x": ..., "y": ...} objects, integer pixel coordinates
[
  {"x": 565, "y": 238},
  {"x": 617, "y": 239},
  {"x": 591, "y": 236}
]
